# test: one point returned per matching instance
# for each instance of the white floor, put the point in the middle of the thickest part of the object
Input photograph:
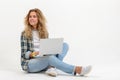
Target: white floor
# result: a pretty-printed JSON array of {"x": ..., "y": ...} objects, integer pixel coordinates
[{"x": 99, "y": 72}]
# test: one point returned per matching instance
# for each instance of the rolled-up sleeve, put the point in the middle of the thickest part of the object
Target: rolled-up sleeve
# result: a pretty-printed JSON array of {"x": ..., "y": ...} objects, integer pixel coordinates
[{"x": 27, "y": 55}]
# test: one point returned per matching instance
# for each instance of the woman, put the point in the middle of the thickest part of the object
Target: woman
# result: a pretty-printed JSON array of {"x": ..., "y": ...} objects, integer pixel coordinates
[{"x": 35, "y": 29}]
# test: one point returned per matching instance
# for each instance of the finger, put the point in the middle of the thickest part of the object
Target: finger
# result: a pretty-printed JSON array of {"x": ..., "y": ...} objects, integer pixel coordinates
[{"x": 37, "y": 53}]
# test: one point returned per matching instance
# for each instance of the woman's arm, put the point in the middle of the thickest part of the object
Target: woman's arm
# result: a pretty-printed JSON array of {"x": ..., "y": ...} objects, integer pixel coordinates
[{"x": 25, "y": 51}]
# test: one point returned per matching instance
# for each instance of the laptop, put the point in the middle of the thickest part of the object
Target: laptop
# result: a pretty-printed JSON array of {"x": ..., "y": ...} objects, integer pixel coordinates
[{"x": 50, "y": 46}]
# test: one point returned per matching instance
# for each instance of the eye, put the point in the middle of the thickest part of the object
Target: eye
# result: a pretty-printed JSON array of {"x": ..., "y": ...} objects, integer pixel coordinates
[
  {"x": 34, "y": 16},
  {"x": 30, "y": 16}
]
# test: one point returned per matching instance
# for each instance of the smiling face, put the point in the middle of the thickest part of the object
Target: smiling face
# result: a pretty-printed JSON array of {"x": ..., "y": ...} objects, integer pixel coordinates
[{"x": 33, "y": 19}]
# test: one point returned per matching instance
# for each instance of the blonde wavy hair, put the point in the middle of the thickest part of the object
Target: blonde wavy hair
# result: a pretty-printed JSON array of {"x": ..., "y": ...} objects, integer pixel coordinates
[{"x": 41, "y": 26}]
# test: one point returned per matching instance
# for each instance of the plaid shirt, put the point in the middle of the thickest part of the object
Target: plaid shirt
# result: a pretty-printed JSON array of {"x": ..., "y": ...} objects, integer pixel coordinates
[{"x": 26, "y": 45}]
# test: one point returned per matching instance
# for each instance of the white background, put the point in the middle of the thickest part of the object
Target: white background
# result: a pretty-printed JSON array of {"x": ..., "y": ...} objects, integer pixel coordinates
[{"x": 90, "y": 27}]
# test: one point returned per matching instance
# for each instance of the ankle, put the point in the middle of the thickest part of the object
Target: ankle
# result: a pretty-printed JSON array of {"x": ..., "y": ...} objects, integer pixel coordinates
[{"x": 78, "y": 70}]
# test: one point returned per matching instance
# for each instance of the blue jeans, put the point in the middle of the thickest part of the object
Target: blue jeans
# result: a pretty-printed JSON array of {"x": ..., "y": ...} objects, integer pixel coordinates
[{"x": 39, "y": 64}]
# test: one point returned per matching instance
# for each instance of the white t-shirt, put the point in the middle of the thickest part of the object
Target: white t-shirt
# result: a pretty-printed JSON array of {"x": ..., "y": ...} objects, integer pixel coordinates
[{"x": 36, "y": 40}]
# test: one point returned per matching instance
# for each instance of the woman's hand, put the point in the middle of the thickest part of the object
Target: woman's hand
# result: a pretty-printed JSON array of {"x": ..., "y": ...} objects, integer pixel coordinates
[
  {"x": 36, "y": 53},
  {"x": 33, "y": 54}
]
